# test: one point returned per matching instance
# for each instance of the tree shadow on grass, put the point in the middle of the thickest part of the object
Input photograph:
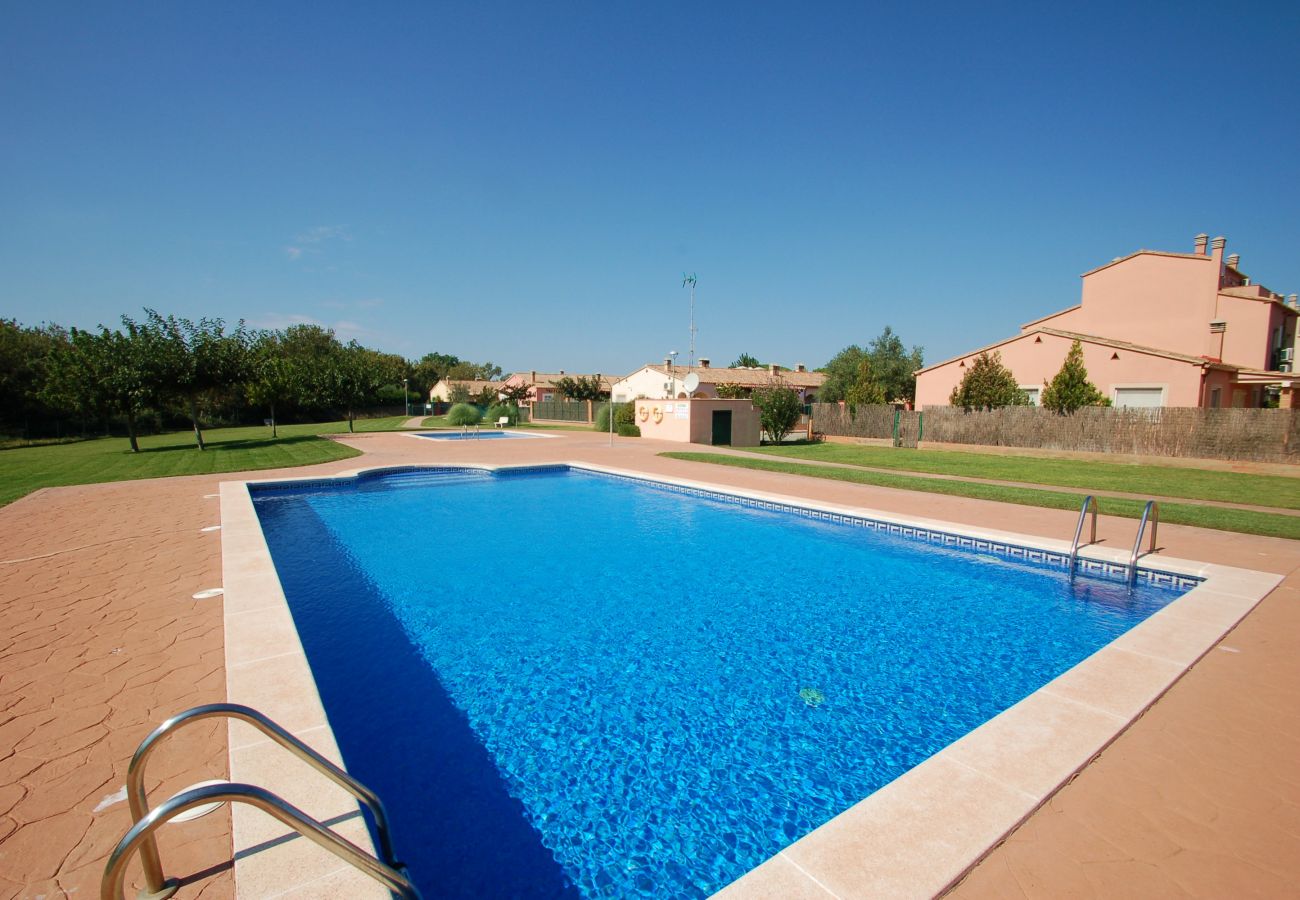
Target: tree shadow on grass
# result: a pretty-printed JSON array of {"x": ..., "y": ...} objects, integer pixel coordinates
[{"x": 245, "y": 444}]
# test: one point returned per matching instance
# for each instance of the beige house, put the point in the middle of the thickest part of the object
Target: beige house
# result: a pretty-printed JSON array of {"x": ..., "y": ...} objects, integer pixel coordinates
[
  {"x": 441, "y": 392},
  {"x": 668, "y": 381}
]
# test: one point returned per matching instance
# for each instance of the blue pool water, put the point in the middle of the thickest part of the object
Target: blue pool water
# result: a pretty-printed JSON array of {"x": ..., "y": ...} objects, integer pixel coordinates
[
  {"x": 564, "y": 684},
  {"x": 472, "y": 435}
]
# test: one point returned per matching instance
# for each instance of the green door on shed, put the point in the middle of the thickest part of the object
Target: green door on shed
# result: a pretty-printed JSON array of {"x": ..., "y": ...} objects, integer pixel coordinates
[{"x": 722, "y": 427}]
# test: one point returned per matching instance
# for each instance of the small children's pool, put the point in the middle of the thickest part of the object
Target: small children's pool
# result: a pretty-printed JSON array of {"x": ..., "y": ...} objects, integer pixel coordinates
[
  {"x": 472, "y": 435},
  {"x": 564, "y": 683}
]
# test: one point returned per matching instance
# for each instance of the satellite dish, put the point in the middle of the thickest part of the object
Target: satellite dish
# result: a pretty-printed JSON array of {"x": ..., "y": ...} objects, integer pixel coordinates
[{"x": 691, "y": 382}]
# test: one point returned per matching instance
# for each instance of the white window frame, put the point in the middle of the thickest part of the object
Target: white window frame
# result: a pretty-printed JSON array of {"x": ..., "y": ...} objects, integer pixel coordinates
[{"x": 1035, "y": 392}]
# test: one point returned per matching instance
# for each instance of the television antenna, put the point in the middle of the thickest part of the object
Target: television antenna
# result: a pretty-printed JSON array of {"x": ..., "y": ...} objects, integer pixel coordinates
[{"x": 690, "y": 279}]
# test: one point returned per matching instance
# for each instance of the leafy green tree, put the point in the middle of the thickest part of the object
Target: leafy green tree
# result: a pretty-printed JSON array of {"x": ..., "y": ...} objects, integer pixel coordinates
[
  {"x": 840, "y": 374},
  {"x": 864, "y": 390},
  {"x": 430, "y": 369},
  {"x": 988, "y": 384},
  {"x": 779, "y": 409},
  {"x": 458, "y": 393},
  {"x": 893, "y": 367},
  {"x": 468, "y": 371},
  {"x": 25, "y": 354},
  {"x": 275, "y": 378},
  {"x": 584, "y": 387},
  {"x": 746, "y": 361},
  {"x": 103, "y": 373},
  {"x": 516, "y": 393},
  {"x": 1070, "y": 389},
  {"x": 354, "y": 374},
  {"x": 191, "y": 360},
  {"x": 486, "y": 396}
]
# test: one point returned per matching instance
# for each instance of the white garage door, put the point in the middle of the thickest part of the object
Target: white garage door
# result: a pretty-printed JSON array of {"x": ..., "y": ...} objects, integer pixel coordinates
[{"x": 1144, "y": 397}]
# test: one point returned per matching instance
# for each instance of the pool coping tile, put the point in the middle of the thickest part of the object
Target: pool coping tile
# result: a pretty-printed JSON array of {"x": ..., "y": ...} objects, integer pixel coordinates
[{"x": 905, "y": 840}]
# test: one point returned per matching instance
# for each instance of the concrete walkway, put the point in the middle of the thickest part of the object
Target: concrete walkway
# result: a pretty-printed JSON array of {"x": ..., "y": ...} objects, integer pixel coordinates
[{"x": 102, "y": 640}]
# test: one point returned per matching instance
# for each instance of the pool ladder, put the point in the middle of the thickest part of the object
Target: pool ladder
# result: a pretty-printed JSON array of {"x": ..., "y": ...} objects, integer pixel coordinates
[
  {"x": 1150, "y": 513},
  {"x": 384, "y": 867}
]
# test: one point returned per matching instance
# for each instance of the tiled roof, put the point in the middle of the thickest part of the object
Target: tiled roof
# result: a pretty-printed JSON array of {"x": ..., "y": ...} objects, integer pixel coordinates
[
  {"x": 744, "y": 377},
  {"x": 1087, "y": 339}
]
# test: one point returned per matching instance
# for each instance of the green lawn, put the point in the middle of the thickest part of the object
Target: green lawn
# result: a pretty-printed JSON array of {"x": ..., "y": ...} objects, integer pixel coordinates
[
  {"x": 1216, "y": 517},
  {"x": 24, "y": 469},
  {"x": 1152, "y": 481}
]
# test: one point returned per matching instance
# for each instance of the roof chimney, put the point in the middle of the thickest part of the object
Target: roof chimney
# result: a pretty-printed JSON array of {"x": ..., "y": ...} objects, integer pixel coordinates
[
  {"x": 1201, "y": 240},
  {"x": 534, "y": 374},
  {"x": 668, "y": 362},
  {"x": 774, "y": 369},
  {"x": 1294, "y": 304},
  {"x": 800, "y": 367},
  {"x": 1233, "y": 260},
  {"x": 1216, "y": 248},
  {"x": 561, "y": 371},
  {"x": 704, "y": 362}
]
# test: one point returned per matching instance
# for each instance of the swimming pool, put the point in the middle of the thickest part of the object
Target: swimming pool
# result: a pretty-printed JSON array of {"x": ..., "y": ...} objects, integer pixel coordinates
[
  {"x": 474, "y": 435},
  {"x": 668, "y": 708}
]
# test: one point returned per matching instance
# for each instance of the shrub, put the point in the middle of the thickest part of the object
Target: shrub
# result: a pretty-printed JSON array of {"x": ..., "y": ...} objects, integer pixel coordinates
[
  {"x": 624, "y": 414},
  {"x": 778, "y": 409},
  {"x": 629, "y": 430},
  {"x": 502, "y": 409},
  {"x": 463, "y": 414},
  {"x": 1070, "y": 389},
  {"x": 988, "y": 384}
]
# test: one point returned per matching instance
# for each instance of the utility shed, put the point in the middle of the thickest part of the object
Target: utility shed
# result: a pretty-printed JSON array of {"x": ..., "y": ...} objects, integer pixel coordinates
[{"x": 700, "y": 421}]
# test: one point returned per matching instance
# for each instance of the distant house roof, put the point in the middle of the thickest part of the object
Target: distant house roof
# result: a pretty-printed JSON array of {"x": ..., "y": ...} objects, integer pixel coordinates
[
  {"x": 548, "y": 379},
  {"x": 473, "y": 385},
  {"x": 1090, "y": 339},
  {"x": 745, "y": 377}
]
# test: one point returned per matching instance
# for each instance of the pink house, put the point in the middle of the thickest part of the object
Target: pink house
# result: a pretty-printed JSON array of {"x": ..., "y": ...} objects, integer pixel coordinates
[
  {"x": 542, "y": 384},
  {"x": 1157, "y": 329}
]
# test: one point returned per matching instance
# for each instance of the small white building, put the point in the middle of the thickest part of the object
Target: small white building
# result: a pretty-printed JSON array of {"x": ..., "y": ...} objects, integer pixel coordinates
[{"x": 667, "y": 381}]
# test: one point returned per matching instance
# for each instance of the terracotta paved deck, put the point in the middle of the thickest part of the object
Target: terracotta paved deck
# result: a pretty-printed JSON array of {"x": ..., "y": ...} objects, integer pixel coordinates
[{"x": 101, "y": 641}]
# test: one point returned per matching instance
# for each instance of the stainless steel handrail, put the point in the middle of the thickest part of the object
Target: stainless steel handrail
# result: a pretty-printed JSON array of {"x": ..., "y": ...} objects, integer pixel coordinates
[
  {"x": 1151, "y": 511},
  {"x": 112, "y": 886},
  {"x": 158, "y": 887},
  {"x": 1078, "y": 529}
]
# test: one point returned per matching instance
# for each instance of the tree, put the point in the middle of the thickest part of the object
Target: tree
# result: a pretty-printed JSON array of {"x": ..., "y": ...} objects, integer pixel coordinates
[
  {"x": 274, "y": 376},
  {"x": 486, "y": 396},
  {"x": 430, "y": 369},
  {"x": 458, "y": 393},
  {"x": 746, "y": 361},
  {"x": 988, "y": 384},
  {"x": 584, "y": 387},
  {"x": 103, "y": 373},
  {"x": 354, "y": 374},
  {"x": 729, "y": 391},
  {"x": 516, "y": 393},
  {"x": 779, "y": 409},
  {"x": 1070, "y": 389},
  {"x": 468, "y": 371},
  {"x": 192, "y": 360},
  {"x": 840, "y": 374},
  {"x": 893, "y": 367},
  {"x": 25, "y": 354},
  {"x": 864, "y": 390}
]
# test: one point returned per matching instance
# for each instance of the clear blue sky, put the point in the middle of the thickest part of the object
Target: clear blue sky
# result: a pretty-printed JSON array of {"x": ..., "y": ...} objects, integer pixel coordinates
[{"x": 527, "y": 182}]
